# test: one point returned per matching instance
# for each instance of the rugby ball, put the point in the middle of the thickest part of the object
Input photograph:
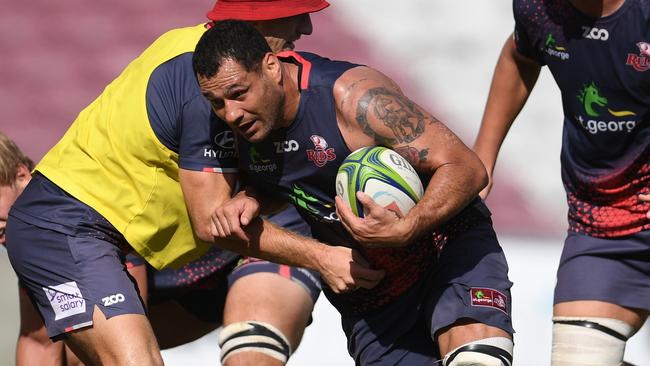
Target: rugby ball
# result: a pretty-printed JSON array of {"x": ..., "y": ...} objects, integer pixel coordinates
[{"x": 381, "y": 173}]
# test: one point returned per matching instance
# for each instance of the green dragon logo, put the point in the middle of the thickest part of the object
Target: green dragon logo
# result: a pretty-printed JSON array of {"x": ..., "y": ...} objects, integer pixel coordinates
[
  {"x": 479, "y": 294},
  {"x": 590, "y": 96}
]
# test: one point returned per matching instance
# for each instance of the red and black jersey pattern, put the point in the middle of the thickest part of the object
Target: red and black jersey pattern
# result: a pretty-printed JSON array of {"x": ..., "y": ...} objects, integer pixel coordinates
[
  {"x": 602, "y": 67},
  {"x": 406, "y": 266},
  {"x": 204, "y": 273},
  {"x": 609, "y": 206}
]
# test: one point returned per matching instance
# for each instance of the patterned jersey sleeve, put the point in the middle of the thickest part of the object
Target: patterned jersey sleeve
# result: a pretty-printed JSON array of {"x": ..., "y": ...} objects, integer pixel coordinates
[{"x": 525, "y": 17}]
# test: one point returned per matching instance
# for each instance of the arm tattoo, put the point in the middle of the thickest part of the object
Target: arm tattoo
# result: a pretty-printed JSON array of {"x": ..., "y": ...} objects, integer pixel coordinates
[
  {"x": 348, "y": 90},
  {"x": 413, "y": 155},
  {"x": 397, "y": 113}
]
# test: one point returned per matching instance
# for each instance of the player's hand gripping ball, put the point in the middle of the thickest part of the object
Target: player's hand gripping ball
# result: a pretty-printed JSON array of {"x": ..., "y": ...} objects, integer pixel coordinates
[{"x": 384, "y": 175}]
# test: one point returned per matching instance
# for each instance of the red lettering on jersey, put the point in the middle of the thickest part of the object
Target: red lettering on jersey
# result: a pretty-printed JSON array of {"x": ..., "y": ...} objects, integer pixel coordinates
[
  {"x": 321, "y": 154},
  {"x": 639, "y": 63}
]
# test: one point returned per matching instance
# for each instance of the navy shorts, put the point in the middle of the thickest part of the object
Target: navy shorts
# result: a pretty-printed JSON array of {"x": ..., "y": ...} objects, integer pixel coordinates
[
  {"x": 614, "y": 270},
  {"x": 469, "y": 282},
  {"x": 66, "y": 276},
  {"x": 70, "y": 258}
]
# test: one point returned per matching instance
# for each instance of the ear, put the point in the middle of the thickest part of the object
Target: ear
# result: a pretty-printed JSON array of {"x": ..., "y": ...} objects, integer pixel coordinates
[
  {"x": 271, "y": 67},
  {"x": 23, "y": 175}
]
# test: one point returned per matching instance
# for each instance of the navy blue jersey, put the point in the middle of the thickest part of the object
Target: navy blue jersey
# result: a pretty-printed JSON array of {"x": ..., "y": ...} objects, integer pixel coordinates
[
  {"x": 601, "y": 67},
  {"x": 300, "y": 163},
  {"x": 183, "y": 120}
]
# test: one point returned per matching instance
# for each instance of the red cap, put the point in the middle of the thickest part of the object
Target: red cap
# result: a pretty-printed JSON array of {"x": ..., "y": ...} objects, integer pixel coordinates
[{"x": 263, "y": 9}]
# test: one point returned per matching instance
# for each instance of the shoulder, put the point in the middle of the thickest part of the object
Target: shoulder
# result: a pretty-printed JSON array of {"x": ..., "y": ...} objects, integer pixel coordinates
[
  {"x": 524, "y": 7},
  {"x": 178, "y": 65},
  {"x": 535, "y": 6},
  {"x": 189, "y": 35},
  {"x": 358, "y": 91},
  {"x": 538, "y": 11},
  {"x": 359, "y": 81},
  {"x": 175, "y": 75},
  {"x": 316, "y": 71}
]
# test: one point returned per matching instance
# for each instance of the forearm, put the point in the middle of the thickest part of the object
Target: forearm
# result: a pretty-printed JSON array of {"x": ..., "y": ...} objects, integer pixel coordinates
[
  {"x": 513, "y": 80},
  {"x": 451, "y": 188},
  {"x": 268, "y": 203},
  {"x": 270, "y": 242},
  {"x": 203, "y": 193},
  {"x": 238, "y": 228}
]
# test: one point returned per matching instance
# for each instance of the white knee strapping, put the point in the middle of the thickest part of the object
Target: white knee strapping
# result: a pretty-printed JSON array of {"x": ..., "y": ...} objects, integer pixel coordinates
[
  {"x": 495, "y": 351},
  {"x": 582, "y": 341},
  {"x": 252, "y": 336}
]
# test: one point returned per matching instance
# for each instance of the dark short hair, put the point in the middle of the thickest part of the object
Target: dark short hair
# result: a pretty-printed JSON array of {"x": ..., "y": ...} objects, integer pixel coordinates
[{"x": 229, "y": 39}]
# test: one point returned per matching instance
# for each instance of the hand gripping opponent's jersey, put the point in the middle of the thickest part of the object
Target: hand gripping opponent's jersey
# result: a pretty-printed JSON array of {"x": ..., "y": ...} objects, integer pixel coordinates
[
  {"x": 122, "y": 154},
  {"x": 602, "y": 67},
  {"x": 300, "y": 163}
]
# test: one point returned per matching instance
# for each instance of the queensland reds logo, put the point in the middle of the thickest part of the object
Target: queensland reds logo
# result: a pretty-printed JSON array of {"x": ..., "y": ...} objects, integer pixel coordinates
[
  {"x": 321, "y": 154},
  {"x": 640, "y": 62}
]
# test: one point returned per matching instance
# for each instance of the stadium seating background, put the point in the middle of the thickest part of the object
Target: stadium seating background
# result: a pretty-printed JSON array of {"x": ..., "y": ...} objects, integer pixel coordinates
[{"x": 57, "y": 56}]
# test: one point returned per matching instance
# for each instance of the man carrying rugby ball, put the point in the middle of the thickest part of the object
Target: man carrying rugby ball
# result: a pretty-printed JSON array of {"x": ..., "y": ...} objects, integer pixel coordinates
[{"x": 445, "y": 292}]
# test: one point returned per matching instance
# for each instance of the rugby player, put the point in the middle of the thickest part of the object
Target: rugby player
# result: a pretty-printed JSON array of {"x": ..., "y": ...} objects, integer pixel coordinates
[
  {"x": 443, "y": 291},
  {"x": 599, "y": 54},
  {"x": 145, "y": 158}
]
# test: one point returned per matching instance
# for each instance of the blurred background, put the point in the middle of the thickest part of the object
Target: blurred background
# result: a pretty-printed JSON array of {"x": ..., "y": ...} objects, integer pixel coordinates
[{"x": 57, "y": 56}]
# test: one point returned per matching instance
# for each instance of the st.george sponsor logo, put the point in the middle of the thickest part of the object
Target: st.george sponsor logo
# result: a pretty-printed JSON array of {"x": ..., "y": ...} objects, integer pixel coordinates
[
  {"x": 113, "y": 299},
  {"x": 553, "y": 49},
  {"x": 595, "y": 126},
  {"x": 488, "y": 297},
  {"x": 263, "y": 168},
  {"x": 594, "y": 104},
  {"x": 260, "y": 164},
  {"x": 640, "y": 61},
  {"x": 66, "y": 300}
]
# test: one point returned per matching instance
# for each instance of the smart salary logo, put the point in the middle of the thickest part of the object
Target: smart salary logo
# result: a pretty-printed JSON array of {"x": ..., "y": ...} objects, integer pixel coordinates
[
  {"x": 594, "y": 104},
  {"x": 641, "y": 61},
  {"x": 66, "y": 300}
]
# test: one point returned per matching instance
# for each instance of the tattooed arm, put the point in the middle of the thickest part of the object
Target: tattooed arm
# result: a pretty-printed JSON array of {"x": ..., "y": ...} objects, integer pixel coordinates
[{"x": 372, "y": 110}]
